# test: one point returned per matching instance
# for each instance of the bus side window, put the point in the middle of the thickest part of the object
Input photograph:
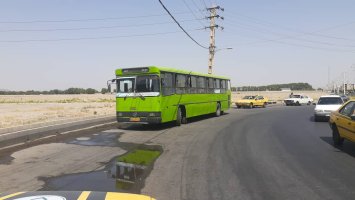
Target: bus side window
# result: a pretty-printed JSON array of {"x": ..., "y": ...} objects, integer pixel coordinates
[
  {"x": 201, "y": 85},
  {"x": 167, "y": 84},
  {"x": 217, "y": 86},
  {"x": 193, "y": 84},
  {"x": 210, "y": 85},
  {"x": 181, "y": 83},
  {"x": 223, "y": 86}
]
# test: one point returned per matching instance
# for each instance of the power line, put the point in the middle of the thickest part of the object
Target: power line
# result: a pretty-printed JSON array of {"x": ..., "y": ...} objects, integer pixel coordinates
[
  {"x": 192, "y": 12},
  {"x": 198, "y": 8},
  {"x": 90, "y": 19},
  {"x": 284, "y": 36},
  {"x": 91, "y": 28},
  {"x": 90, "y": 38},
  {"x": 161, "y": 3},
  {"x": 313, "y": 33},
  {"x": 204, "y": 3},
  {"x": 293, "y": 44}
]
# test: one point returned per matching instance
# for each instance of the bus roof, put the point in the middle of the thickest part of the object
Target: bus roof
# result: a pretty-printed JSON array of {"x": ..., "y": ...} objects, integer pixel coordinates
[{"x": 155, "y": 69}]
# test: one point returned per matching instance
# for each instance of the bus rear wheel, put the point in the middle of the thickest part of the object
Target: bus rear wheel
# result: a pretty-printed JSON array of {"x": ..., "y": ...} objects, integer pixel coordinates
[
  {"x": 218, "y": 110},
  {"x": 179, "y": 117}
]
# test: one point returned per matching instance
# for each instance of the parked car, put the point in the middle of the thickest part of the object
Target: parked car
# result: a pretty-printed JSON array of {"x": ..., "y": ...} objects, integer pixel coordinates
[
  {"x": 345, "y": 98},
  {"x": 327, "y": 104},
  {"x": 252, "y": 101},
  {"x": 298, "y": 99},
  {"x": 342, "y": 123}
]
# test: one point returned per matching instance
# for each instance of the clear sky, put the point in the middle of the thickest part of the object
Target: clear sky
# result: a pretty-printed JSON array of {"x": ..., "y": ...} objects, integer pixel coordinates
[{"x": 79, "y": 43}]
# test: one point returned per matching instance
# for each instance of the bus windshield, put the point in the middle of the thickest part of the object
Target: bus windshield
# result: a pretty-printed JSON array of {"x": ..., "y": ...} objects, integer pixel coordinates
[
  {"x": 125, "y": 85},
  {"x": 147, "y": 85}
]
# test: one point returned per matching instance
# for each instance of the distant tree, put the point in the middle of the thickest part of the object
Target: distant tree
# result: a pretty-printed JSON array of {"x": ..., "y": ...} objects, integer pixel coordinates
[
  {"x": 277, "y": 87},
  {"x": 104, "y": 90},
  {"x": 90, "y": 91},
  {"x": 55, "y": 91}
]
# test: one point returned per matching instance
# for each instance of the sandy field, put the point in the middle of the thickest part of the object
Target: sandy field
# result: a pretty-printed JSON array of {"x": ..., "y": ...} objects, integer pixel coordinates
[
  {"x": 277, "y": 96},
  {"x": 19, "y": 110}
]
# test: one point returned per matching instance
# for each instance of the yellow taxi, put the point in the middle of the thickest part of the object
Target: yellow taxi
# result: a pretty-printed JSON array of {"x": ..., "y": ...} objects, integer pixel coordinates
[
  {"x": 72, "y": 195},
  {"x": 342, "y": 122},
  {"x": 252, "y": 101}
]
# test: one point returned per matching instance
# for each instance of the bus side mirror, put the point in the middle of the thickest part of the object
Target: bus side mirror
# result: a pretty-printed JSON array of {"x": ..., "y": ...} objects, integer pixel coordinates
[{"x": 109, "y": 82}]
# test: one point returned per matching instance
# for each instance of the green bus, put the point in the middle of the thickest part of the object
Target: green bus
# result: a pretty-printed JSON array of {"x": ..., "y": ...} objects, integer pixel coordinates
[{"x": 152, "y": 95}]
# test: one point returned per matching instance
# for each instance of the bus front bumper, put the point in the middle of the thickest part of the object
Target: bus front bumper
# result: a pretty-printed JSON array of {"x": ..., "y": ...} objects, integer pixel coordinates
[{"x": 139, "y": 117}]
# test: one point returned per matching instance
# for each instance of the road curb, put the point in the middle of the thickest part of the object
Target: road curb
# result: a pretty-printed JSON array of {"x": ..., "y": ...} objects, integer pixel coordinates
[{"x": 13, "y": 138}]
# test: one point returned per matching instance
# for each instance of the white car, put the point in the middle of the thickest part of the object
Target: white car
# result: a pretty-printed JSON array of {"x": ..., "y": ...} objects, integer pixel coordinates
[
  {"x": 326, "y": 105},
  {"x": 298, "y": 99}
]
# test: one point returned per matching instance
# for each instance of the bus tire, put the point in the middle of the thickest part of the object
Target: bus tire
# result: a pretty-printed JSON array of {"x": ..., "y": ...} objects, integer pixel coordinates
[
  {"x": 264, "y": 105},
  {"x": 218, "y": 110},
  {"x": 183, "y": 115},
  {"x": 179, "y": 117}
]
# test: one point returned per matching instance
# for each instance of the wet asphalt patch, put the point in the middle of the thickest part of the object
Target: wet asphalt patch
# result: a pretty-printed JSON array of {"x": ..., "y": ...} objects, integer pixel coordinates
[
  {"x": 116, "y": 176},
  {"x": 102, "y": 139},
  {"x": 6, "y": 159}
]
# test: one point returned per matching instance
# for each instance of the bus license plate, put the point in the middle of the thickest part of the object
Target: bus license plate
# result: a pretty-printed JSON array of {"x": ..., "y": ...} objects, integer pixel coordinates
[{"x": 135, "y": 119}]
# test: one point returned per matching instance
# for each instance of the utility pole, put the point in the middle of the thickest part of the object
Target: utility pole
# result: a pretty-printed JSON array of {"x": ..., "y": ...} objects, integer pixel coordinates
[{"x": 212, "y": 47}]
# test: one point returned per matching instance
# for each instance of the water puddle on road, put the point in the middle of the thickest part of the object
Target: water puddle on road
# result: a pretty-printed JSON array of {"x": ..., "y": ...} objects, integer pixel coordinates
[
  {"x": 125, "y": 173},
  {"x": 102, "y": 139}
]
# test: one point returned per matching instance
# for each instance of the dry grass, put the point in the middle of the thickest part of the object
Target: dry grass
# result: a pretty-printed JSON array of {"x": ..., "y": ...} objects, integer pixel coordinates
[{"x": 18, "y": 110}]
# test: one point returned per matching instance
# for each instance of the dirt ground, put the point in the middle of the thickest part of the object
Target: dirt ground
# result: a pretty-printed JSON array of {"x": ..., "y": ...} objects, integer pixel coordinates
[{"x": 19, "y": 110}]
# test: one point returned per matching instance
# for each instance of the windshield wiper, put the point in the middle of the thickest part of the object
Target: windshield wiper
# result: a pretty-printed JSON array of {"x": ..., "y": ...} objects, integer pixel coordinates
[
  {"x": 124, "y": 98},
  {"x": 139, "y": 94}
]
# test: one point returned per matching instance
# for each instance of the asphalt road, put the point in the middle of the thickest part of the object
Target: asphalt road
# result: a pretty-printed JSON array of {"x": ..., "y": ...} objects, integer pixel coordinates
[{"x": 272, "y": 153}]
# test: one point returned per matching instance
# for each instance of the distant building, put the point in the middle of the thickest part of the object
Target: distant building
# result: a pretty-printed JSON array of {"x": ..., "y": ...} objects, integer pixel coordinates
[{"x": 286, "y": 89}]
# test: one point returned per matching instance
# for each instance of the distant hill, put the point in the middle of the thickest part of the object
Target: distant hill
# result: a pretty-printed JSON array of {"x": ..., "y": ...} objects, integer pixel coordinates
[{"x": 276, "y": 87}]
